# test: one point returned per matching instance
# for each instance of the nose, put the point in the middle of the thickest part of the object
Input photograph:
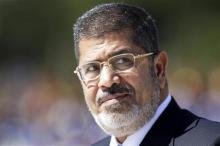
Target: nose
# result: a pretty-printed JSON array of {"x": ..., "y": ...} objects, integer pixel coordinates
[{"x": 107, "y": 77}]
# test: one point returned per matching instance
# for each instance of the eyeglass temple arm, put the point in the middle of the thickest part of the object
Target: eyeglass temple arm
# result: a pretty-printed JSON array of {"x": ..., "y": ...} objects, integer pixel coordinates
[{"x": 144, "y": 55}]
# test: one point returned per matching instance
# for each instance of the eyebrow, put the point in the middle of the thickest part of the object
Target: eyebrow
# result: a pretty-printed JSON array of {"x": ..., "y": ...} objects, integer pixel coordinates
[
  {"x": 118, "y": 52},
  {"x": 121, "y": 51}
]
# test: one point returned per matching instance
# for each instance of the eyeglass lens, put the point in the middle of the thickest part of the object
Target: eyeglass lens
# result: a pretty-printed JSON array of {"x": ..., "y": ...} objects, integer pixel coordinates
[{"x": 117, "y": 63}]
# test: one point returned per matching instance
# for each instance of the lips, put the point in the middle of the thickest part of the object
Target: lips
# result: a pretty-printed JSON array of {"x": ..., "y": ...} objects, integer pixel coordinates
[{"x": 117, "y": 96}]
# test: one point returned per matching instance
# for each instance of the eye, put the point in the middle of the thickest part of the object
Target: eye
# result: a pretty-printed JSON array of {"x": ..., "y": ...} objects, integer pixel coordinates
[
  {"x": 92, "y": 67},
  {"x": 122, "y": 62},
  {"x": 90, "y": 70}
]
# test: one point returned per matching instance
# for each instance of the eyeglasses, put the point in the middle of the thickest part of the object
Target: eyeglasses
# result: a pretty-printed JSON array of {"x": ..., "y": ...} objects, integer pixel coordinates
[{"x": 118, "y": 63}]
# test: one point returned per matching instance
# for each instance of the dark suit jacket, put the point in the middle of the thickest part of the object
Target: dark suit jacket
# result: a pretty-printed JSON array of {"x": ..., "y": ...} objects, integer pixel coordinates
[{"x": 178, "y": 127}]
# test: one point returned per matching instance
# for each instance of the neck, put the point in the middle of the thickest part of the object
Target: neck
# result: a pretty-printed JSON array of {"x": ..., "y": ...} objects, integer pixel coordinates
[{"x": 121, "y": 139}]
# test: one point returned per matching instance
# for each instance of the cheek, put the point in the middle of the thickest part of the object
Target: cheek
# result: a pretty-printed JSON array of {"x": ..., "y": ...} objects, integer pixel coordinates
[
  {"x": 142, "y": 82},
  {"x": 90, "y": 97},
  {"x": 137, "y": 81}
]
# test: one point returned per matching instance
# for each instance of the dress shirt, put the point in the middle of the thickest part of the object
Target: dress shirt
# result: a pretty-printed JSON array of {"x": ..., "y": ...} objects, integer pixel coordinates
[{"x": 136, "y": 138}]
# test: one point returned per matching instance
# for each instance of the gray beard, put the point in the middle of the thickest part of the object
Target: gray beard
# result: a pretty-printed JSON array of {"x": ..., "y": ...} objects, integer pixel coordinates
[{"x": 126, "y": 123}]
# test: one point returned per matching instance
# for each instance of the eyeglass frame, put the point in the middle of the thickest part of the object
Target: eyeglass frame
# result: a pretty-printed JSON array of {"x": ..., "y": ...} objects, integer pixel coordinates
[{"x": 77, "y": 70}]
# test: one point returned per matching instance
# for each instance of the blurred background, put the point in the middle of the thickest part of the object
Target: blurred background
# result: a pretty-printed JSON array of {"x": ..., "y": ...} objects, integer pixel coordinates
[{"x": 41, "y": 101}]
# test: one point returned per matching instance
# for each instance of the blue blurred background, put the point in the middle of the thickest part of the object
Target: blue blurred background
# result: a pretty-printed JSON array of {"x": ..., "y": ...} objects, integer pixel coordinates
[{"x": 41, "y": 101}]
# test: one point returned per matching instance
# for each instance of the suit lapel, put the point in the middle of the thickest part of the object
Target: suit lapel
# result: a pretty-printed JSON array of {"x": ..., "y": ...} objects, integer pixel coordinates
[{"x": 171, "y": 123}]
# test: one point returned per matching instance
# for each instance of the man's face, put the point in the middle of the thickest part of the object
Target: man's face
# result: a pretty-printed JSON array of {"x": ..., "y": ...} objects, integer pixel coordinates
[{"x": 121, "y": 102}]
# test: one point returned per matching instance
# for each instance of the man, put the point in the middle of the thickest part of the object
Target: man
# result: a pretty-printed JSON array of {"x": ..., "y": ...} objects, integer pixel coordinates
[{"x": 123, "y": 74}]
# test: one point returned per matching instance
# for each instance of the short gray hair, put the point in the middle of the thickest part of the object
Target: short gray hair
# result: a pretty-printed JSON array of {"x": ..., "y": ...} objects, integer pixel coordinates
[{"x": 114, "y": 17}]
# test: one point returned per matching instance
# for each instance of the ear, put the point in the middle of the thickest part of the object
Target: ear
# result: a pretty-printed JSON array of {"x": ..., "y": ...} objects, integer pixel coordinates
[{"x": 160, "y": 67}]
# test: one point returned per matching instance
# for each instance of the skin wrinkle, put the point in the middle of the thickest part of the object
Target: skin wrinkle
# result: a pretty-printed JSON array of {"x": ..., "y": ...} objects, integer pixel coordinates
[{"x": 100, "y": 43}]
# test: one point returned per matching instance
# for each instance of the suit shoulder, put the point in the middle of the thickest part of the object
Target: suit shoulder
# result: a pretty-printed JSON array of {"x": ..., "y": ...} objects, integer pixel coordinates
[
  {"x": 103, "y": 142},
  {"x": 209, "y": 126},
  {"x": 201, "y": 125},
  {"x": 204, "y": 132}
]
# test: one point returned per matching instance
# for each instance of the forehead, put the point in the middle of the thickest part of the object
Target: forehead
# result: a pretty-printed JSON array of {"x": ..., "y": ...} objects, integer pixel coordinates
[{"x": 102, "y": 48}]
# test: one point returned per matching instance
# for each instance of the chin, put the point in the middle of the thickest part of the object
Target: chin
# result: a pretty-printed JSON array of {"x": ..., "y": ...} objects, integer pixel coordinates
[{"x": 126, "y": 123}]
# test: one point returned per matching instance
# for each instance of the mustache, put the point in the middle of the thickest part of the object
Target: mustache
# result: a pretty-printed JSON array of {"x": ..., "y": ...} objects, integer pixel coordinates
[{"x": 114, "y": 89}]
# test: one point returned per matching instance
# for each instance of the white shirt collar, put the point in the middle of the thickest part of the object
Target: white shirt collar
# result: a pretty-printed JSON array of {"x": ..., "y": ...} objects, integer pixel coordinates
[{"x": 137, "y": 137}]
